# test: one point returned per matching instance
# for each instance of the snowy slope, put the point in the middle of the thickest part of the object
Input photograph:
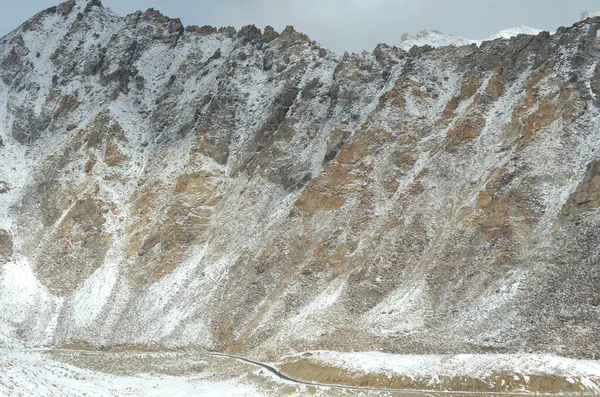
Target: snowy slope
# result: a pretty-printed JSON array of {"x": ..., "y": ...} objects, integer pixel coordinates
[
  {"x": 436, "y": 38},
  {"x": 32, "y": 374},
  {"x": 432, "y": 38},
  {"x": 512, "y": 32},
  {"x": 250, "y": 191},
  {"x": 437, "y": 368}
]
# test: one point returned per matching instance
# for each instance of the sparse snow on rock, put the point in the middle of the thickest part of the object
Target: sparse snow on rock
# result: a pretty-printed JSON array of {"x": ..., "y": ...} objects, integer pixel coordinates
[{"x": 167, "y": 186}]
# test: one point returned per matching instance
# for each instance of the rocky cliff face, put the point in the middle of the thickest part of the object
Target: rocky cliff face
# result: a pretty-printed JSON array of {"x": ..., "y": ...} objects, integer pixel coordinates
[{"x": 251, "y": 191}]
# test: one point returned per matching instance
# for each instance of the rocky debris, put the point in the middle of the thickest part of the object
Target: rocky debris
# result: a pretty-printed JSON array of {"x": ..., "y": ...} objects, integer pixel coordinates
[{"x": 4, "y": 187}]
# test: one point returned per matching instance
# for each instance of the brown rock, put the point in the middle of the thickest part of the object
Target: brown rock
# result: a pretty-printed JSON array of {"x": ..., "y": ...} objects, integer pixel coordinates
[
  {"x": 203, "y": 30},
  {"x": 465, "y": 129},
  {"x": 6, "y": 246},
  {"x": 77, "y": 246},
  {"x": 228, "y": 31},
  {"x": 67, "y": 104},
  {"x": 587, "y": 195},
  {"x": 312, "y": 200},
  {"x": 186, "y": 218},
  {"x": 112, "y": 152},
  {"x": 90, "y": 163},
  {"x": 470, "y": 87},
  {"x": 451, "y": 106},
  {"x": 495, "y": 87},
  {"x": 269, "y": 34},
  {"x": 363, "y": 143},
  {"x": 212, "y": 144}
]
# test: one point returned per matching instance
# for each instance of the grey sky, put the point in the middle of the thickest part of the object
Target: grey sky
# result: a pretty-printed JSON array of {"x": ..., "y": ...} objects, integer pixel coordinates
[{"x": 345, "y": 25}]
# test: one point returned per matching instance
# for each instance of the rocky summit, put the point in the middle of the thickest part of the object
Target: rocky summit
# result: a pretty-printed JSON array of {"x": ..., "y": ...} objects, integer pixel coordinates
[{"x": 250, "y": 192}]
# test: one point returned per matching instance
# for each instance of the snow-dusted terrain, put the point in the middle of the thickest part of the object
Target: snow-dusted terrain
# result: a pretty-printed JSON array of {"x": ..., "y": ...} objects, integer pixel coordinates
[
  {"x": 31, "y": 374},
  {"x": 249, "y": 191},
  {"x": 481, "y": 367},
  {"x": 436, "y": 38}
]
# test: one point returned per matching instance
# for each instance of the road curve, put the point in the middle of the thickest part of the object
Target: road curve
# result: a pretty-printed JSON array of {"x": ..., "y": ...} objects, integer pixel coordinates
[{"x": 287, "y": 378}]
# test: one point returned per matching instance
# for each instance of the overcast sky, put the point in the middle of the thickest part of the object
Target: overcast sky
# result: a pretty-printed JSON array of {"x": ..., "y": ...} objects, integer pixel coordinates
[{"x": 345, "y": 25}]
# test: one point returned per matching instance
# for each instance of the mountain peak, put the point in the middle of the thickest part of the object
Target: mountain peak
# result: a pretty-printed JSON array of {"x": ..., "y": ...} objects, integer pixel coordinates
[
  {"x": 511, "y": 32},
  {"x": 252, "y": 192},
  {"x": 435, "y": 38}
]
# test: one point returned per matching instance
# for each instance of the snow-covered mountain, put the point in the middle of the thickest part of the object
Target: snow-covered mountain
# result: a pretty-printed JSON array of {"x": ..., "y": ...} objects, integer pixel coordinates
[
  {"x": 435, "y": 38},
  {"x": 251, "y": 191},
  {"x": 513, "y": 32}
]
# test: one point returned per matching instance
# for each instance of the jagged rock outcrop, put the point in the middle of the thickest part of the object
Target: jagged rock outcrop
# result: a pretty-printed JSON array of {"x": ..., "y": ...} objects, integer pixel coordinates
[{"x": 243, "y": 190}]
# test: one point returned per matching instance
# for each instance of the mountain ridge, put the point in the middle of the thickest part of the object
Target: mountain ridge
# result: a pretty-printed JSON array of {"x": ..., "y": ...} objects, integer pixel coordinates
[
  {"x": 271, "y": 33},
  {"x": 252, "y": 192}
]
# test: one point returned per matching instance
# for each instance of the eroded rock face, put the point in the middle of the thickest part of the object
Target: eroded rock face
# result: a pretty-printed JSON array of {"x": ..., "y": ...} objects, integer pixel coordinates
[
  {"x": 252, "y": 190},
  {"x": 6, "y": 246}
]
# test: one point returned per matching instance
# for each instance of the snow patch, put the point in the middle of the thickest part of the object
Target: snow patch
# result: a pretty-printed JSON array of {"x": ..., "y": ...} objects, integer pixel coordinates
[
  {"x": 323, "y": 301},
  {"x": 21, "y": 295},
  {"x": 403, "y": 311},
  {"x": 89, "y": 300}
]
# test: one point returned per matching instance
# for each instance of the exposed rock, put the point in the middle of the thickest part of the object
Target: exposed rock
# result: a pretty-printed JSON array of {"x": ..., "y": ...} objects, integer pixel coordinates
[
  {"x": 596, "y": 84},
  {"x": 269, "y": 34},
  {"x": 587, "y": 194},
  {"x": 268, "y": 61},
  {"x": 65, "y": 8},
  {"x": 15, "y": 60},
  {"x": 250, "y": 34},
  {"x": 227, "y": 31},
  {"x": 203, "y": 30},
  {"x": 6, "y": 246}
]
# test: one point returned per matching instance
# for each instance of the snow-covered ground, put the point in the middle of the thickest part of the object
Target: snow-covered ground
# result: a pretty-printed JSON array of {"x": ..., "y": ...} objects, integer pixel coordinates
[
  {"x": 138, "y": 373},
  {"x": 476, "y": 366},
  {"x": 34, "y": 374}
]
